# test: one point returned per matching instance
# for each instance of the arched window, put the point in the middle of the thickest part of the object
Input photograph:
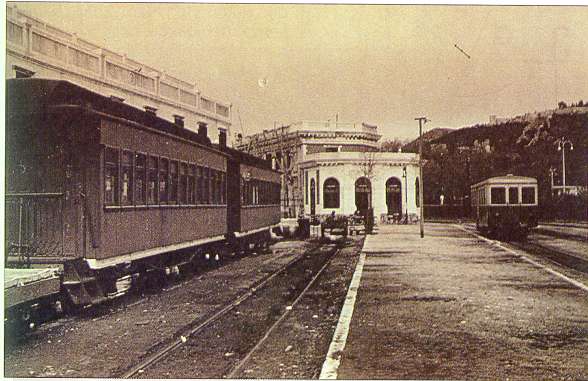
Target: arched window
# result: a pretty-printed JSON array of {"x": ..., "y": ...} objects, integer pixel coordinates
[
  {"x": 417, "y": 192},
  {"x": 331, "y": 193}
]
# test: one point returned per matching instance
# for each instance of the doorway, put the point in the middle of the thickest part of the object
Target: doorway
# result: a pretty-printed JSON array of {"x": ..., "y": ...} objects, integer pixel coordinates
[
  {"x": 363, "y": 194},
  {"x": 394, "y": 196}
]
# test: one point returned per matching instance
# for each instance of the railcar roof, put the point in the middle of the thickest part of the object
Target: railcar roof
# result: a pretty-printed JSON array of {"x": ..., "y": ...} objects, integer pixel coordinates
[
  {"x": 508, "y": 179},
  {"x": 30, "y": 95},
  {"x": 246, "y": 158}
]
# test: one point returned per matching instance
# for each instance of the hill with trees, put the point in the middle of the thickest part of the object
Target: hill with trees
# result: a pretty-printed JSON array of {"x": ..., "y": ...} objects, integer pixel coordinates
[{"x": 459, "y": 158}]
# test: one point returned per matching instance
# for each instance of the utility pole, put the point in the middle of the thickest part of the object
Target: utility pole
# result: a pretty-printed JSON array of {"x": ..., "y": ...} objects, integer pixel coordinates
[{"x": 421, "y": 120}]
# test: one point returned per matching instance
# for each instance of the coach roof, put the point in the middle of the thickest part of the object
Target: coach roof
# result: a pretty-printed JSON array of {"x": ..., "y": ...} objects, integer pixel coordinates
[
  {"x": 30, "y": 95},
  {"x": 506, "y": 180}
]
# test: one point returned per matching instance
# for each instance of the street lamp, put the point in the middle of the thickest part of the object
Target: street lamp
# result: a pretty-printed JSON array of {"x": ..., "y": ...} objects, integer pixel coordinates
[
  {"x": 561, "y": 146},
  {"x": 405, "y": 177}
]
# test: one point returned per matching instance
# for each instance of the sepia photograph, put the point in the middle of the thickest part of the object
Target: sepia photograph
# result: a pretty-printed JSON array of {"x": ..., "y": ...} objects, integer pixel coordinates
[{"x": 295, "y": 191}]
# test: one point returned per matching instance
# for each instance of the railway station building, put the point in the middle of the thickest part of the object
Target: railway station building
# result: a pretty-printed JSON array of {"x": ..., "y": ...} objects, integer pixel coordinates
[
  {"x": 39, "y": 50},
  {"x": 337, "y": 167}
]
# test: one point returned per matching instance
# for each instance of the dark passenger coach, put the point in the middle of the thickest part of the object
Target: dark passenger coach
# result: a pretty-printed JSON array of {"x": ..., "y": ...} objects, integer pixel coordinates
[{"x": 108, "y": 192}]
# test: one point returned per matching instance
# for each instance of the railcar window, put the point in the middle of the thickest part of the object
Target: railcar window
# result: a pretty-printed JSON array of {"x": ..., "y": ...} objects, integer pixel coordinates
[
  {"x": 173, "y": 182},
  {"x": 497, "y": 195},
  {"x": 218, "y": 187},
  {"x": 206, "y": 179},
  {"x": 126, "y": 191},
  {"x": 528, "y": 194},
  {"x": 140, "y": 179},
  {"x": 111, "y": 176},
  {"x": 191, "y": 186},
  {"x": 199, "y": 185},
  {"x": 152, "y": 180},
  {"x": 183, "y": 184},
  {"x": 211, "y": 175},
  {"x": 163, "y": 180},
  {"x": 223, "y": 188},
  {"x": 513, "y": 195}
]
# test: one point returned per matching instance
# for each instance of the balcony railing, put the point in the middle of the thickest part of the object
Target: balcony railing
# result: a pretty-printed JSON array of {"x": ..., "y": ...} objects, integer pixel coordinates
[{"x": 34, "y": 226}]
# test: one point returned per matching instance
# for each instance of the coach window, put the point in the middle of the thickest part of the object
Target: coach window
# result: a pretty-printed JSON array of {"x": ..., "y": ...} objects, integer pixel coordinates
[
  {"x": 183, "y": 184},
  {"x": 223, "y": 188},
  {"x": 497, "y": 195},
  {"x": 513, "y": 195},
  {"x": 213, "y": 190},
  {"x": 110, "y": 176},
  {"x": 528, "y": 194},
  {"x": 331, "y": 193},
  {"x": 152, "y": 180},
  {"x": 173, "y": 182},
  {"x": 127, "y": 180},
  {"x": 191, "y": 185},
  {"x": 198, "y": 185},
  {"x": 126, "y": 191},
  {"x": 218, "y": 187},
  {"x": 206, "y": 187},
  {"x": 163, "y": 180},
  {"x": 140, "y": 176}
]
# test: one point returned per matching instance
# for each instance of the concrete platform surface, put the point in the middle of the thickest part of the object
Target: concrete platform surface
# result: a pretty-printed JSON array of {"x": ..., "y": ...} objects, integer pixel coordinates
[{"x": 454, "y": 306}]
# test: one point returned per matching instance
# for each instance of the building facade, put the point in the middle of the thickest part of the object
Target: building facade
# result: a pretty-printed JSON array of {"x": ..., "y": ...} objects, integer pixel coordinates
[
  {"x": 337, "y": 167},
  {"x": 37, "y": 49}
]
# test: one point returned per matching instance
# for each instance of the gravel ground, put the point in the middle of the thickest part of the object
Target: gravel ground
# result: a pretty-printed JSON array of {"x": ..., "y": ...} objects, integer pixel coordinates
[
  {"x": 451, "y": 306},
  {"x": 106, "y": 340},
  {"x": 298, "y": 347},
  {"x": 216, "y": 351}
]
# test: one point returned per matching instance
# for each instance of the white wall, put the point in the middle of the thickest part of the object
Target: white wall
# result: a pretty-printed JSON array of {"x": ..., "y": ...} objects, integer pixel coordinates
[{"x": 348, "y": 173}]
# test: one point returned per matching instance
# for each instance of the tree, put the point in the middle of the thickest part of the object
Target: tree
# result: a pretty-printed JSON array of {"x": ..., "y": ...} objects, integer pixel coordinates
[{"x": 392, "y": 145}]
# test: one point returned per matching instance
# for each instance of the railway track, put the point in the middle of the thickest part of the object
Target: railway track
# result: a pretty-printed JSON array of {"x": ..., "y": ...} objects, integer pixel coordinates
[
  {"x": 222, "y": 343},
  {"x": 560, "y": 256}
]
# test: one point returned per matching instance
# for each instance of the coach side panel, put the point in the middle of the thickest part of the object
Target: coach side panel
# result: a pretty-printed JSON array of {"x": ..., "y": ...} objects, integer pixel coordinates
[
  {"x": 141, "y": 221},
  {"x": 260, "y": 198}
]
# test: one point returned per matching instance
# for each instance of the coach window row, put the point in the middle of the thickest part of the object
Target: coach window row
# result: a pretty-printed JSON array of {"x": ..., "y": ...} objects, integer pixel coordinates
[
  {"x": 258, "y": 192},
  {"x": 135, "y": 178},
  {"x": 498, "y": 195}
]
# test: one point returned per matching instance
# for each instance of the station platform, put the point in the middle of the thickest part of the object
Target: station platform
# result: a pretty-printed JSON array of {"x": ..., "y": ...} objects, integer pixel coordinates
[{"x": 453, "y": 305}]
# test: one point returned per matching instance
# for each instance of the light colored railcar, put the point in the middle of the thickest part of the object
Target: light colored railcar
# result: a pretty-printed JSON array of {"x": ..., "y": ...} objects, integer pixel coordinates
[{"x": 505, "y": 206}]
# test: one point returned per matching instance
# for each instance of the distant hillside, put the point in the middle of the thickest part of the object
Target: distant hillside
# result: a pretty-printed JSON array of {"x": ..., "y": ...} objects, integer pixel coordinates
[
  {"x": 428, "y": 136},
  {"x": 505, "y": 133}
]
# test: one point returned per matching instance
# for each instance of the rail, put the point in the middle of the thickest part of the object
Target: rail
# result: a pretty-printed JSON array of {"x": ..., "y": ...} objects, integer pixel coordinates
[{"x": 34, "y": 226}]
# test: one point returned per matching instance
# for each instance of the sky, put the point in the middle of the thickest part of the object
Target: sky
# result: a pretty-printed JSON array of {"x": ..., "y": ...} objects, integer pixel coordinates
[{"x": 378, "y": 64}]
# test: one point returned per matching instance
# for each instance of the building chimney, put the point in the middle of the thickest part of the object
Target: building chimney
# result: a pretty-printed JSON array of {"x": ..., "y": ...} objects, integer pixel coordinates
[
  {"x": 179, "y": 120},
  {"x": 150, "y": 110},
  {"x": 202, "y": 129},
  {"x": 222, "y": 138}
]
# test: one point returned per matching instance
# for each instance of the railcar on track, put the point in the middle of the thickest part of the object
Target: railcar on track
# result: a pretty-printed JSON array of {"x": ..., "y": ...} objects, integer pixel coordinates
[
  {"x": 104, "y": 193},
  {"x": 505, "y": 206}
]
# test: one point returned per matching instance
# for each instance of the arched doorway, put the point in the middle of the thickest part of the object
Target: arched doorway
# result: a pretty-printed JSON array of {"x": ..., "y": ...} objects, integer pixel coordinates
[
  {"x": 394, "y": 196},
  {"x": 312, "y": 197},
  {"x": 363, "y": 194},
  {"x": 331, "y": 193}
]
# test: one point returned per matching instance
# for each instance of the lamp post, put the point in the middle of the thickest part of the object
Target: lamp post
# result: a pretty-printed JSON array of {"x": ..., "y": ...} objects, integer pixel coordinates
[
  {"x": 551, "y": 173},
  {"x": 561, "y": 146},
  {"x": 422, "y": 120},
  {"x": 405, "y": 177}
]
